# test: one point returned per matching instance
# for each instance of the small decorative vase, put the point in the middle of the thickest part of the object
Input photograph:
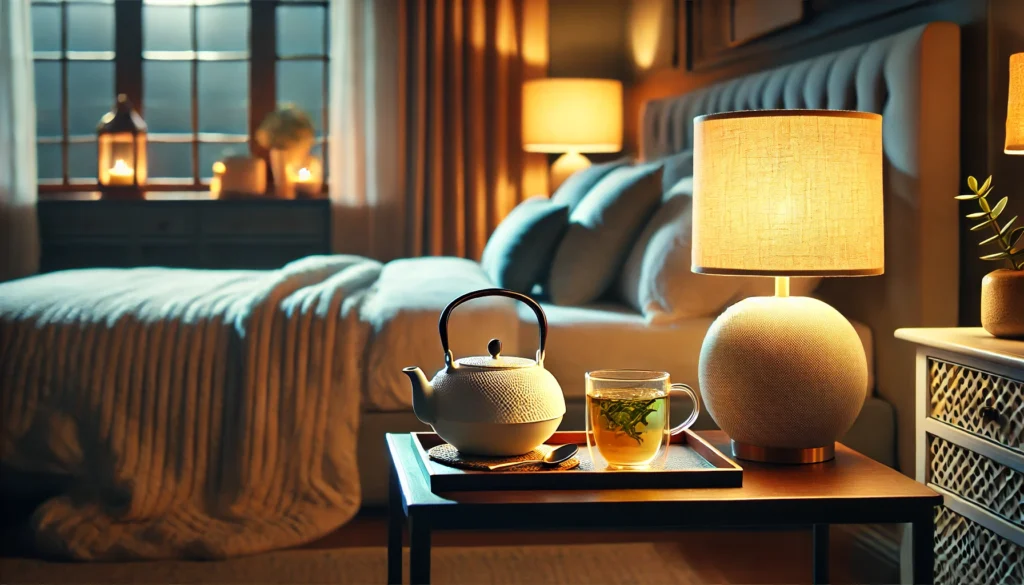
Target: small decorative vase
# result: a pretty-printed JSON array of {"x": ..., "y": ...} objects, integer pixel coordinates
[
  {"x": 284, "y": 165},
  {"x": 1002, "y": 303}
]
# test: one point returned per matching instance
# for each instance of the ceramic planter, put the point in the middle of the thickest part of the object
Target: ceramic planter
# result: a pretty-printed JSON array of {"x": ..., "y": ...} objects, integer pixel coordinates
[{"x": 1002, "y": 303}]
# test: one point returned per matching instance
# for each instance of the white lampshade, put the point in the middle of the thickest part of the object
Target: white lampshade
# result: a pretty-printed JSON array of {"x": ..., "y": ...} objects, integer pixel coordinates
[
  {"x": 1015, "y": 107},
  {"x": 572, "y": 115},
  {"x": 788, "y": 193}
]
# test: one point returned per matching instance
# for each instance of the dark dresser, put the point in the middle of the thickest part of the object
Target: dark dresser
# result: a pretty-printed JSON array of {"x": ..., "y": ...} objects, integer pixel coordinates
[{"x": 185, "y": 230}]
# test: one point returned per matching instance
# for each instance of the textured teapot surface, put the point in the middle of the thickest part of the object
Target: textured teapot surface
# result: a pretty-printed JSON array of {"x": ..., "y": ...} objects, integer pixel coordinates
[{"x": 493, "y": 395}]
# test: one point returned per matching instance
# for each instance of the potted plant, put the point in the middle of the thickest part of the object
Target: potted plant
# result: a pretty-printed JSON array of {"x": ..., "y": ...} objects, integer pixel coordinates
[
  {"x": 288, "y": 134},
  {"x": 1002, "y": 290}
]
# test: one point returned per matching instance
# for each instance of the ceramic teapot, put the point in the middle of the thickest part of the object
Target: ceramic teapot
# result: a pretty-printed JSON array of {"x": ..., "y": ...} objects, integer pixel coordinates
[{"x": 490, "y": 405}]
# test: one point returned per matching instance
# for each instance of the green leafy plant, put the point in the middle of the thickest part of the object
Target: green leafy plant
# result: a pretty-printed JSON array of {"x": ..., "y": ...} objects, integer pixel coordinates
[
  {"x": 624, "y": 416},
  {"x": 1009, "y": 239},
  {"x": 286, "y": 128}
]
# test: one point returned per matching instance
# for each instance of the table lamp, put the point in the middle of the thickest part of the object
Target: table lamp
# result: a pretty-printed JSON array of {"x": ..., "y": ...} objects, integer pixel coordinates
[
  {"x": 571, "y": 116},
  {"x": 786, "y": 193},
  {"x": 1015, "y": 107}
]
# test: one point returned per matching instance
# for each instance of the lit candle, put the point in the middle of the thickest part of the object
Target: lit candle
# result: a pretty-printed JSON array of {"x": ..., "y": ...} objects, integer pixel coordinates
[
  {"x": 121, "y": 173},
  {"x": 215, "y": 182},
  {"x": 309, "y": 179}
]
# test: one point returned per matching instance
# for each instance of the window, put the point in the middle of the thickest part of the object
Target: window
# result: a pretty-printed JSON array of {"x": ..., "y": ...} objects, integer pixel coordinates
[{"x": 203, "y": 73}]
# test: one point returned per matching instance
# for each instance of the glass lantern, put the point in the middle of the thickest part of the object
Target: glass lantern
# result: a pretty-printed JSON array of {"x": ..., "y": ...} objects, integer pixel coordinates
[{"x": 122, "y": 149}]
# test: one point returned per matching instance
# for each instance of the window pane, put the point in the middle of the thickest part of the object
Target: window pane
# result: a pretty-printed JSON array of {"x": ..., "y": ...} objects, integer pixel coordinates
[
  {"x": 169, "y": 160},
  {"x": 45, "y": 27},
  {"x": 82, "y": 160},
  {"x": 48, "y": 161},
  {"x": 167, "y": 28},
  {"x": 167, "y": 90},
  {"x": 301, "y": 83},
  {"x": 90, "y": 94},
  {"x": 300, "y": 30},
  {"x": 224, "y": 97},
  {"x": 211, "y": 152},
  {"x": 48, "y": 88},
  {"x": 90, "y": 27},
  {"x": 223, "y": 28}
]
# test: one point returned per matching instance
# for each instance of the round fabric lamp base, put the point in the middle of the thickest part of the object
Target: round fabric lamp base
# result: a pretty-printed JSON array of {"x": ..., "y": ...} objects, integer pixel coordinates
[{"x": 785, "y": 377}]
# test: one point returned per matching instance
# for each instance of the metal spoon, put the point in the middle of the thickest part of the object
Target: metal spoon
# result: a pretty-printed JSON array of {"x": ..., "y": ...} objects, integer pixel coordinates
[{"x": 556, "y": 456}]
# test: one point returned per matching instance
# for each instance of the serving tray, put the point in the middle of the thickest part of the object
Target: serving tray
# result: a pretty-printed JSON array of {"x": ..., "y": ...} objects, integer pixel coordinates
[{"x": 692, "y": 462}]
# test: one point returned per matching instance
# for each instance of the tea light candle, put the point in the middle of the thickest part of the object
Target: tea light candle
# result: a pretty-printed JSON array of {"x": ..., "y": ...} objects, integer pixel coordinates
[
  {"x": 309, "y": 178},
  {"x": 121, "y": 173}
]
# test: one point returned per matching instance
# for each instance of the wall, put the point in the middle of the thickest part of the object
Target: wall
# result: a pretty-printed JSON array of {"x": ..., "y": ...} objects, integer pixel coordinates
[{"x": 587, "y": 38}]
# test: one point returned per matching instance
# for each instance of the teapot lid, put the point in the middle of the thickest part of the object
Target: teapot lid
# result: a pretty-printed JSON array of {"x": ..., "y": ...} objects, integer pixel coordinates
[{"x": 495, "y": 360}]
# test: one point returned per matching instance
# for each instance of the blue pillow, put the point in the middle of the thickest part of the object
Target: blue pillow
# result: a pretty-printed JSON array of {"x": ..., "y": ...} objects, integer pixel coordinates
[
  {"x": 518, "y": 253},
  {"x": 602, "y": 229},
  {"x": 576, "y": 187}
]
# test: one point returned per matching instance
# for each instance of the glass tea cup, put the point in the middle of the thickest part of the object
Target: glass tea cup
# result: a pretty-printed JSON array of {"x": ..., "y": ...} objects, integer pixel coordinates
[{"x": 628, "y": 416}]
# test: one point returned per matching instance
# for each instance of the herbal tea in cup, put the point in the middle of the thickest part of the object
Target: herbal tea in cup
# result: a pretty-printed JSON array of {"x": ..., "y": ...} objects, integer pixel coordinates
[{"x": 628, "y": 415}]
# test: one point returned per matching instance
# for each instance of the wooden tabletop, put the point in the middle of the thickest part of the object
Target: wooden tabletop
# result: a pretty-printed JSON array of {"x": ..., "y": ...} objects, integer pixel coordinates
[
  {"x": 852, "y": 488},
  {"x": 972, "y": 341}
]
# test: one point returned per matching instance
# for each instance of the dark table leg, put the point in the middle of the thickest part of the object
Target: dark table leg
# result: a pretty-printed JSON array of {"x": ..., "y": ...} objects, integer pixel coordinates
[
  {"x": 396, "y": 521},
  {"x": 922, "y": 540},
  {"x": 819, "y": 573},
  {"x": 419, "y": 549}
]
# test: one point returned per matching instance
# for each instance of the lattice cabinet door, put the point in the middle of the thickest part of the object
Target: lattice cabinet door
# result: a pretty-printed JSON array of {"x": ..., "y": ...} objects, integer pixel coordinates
[{"x": 970, "y": 448}]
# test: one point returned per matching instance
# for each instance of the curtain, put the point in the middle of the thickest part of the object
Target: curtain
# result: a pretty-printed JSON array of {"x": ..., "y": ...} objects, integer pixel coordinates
[
  {"x": 426, "y": 155},
  {"x": 19, "y": 238}
]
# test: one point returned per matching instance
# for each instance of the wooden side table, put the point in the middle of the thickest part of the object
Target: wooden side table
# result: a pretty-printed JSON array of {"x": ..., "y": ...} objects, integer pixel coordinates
[
  {"x": 970, "y": 448},
  {"x": 850, "y": 489}
]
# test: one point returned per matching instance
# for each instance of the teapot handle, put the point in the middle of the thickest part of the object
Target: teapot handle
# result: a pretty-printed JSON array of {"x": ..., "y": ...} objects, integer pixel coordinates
[{"x": 542, "y": 320}]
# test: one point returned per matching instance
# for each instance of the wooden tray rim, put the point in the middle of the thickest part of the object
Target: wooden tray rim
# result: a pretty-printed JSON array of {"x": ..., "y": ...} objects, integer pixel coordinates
[{"x": 722, "y": 463}]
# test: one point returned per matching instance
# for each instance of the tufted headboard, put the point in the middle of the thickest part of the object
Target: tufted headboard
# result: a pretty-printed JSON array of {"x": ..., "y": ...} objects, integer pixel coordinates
[{"x": 913, "y": 80}]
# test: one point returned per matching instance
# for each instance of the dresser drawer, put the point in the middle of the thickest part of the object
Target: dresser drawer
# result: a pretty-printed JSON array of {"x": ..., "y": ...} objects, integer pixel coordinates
[
  {"x": 959, "y": 395},
  {"x": 966, "y": 552},
  {"x": 974, "y": 477},
  {"x": 85, "y": 219},
  {"x": 295, "y": 221},
  {"x": 158, "y": 221}
]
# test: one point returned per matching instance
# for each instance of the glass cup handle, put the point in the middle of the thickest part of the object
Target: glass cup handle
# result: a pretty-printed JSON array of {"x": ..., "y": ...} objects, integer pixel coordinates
[{"x": 693, "y": 415}]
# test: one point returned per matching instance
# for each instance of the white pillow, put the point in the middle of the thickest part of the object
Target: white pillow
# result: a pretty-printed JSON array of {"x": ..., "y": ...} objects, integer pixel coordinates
[{"x": 656, "y": 279}]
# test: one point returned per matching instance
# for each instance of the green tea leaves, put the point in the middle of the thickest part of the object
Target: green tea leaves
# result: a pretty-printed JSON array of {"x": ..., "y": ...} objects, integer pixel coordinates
[{"x": 625, "y": 415}]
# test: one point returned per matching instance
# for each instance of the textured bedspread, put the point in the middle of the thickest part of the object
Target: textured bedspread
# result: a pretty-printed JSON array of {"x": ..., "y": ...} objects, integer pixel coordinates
[{"x": 202, "y": 413}]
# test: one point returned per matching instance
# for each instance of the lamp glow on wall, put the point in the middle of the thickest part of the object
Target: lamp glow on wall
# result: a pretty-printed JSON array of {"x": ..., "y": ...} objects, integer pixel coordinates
[
  {"x": 786, "y": 193},
  {"x": 571, "y": 116}
]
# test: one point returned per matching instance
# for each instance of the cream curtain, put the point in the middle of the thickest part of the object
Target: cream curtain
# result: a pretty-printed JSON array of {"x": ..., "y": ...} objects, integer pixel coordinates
[
  {"x": 19, "y": 238},
  {"x": 426, "y": 156}
]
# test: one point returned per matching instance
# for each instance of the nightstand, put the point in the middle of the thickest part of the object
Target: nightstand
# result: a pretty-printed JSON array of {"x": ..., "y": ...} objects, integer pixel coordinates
[
  {"x": 182, "y": 230},
  {"x": 970, "y": 448}
]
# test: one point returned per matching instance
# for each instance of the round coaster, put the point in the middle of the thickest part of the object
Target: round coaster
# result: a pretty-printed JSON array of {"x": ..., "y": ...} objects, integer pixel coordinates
[{"x": 450, "y": 456}]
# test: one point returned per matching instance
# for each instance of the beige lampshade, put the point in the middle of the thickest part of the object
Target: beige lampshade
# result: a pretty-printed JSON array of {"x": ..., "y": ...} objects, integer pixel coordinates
[
  {"x": 572, "y": 115},
  {"x": 1015, "y": 107},
  {"x": 788, "y": 193}
]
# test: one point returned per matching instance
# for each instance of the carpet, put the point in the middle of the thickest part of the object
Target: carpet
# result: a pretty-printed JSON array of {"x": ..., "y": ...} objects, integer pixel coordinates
[{"x": 604, "y": 564}]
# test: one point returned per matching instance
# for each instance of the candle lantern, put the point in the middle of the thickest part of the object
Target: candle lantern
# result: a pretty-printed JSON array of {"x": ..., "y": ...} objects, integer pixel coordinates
[{"x": 122, "y": 150}]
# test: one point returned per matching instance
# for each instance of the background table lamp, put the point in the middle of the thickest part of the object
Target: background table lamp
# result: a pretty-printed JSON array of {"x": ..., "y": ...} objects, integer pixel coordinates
[
  {"x": 1015, "y": 107},
  {"x": 571, "y": 116},
  {"x": 786, "y": 193}
]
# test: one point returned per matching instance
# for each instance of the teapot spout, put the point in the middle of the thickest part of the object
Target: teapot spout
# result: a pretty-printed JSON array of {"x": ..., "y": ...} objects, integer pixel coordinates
[{"x": 422, "y": 395}]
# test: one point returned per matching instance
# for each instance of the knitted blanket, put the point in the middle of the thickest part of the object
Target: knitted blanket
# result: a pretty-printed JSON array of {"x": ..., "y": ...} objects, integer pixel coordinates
[{"x": 202, "y": 414}]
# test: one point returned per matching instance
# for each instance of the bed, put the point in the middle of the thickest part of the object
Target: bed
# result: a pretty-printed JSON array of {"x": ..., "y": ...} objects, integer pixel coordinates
[{"x": 206, "y": 414}]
